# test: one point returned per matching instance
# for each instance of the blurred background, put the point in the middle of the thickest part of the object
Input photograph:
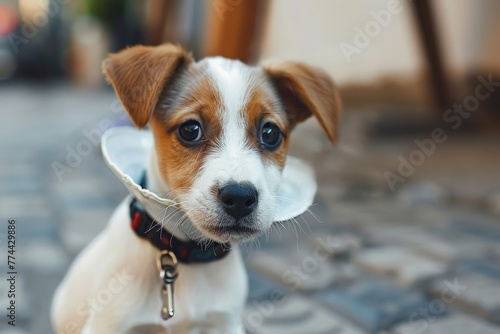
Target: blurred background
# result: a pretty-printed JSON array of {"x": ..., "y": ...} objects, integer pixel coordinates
[{"x": 405, "y": 233}]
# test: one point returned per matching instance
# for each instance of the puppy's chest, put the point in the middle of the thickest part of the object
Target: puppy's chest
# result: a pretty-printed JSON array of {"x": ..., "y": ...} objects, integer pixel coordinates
[{"x": 204, "y": 296}]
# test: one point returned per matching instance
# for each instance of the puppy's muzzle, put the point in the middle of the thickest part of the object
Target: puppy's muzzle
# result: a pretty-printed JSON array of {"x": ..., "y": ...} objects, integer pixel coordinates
[{"x": 238, "y": 200}]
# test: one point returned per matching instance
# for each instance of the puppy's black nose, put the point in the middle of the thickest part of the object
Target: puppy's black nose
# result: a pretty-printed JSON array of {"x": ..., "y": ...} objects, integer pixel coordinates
[{"x": 238, "y": 200}]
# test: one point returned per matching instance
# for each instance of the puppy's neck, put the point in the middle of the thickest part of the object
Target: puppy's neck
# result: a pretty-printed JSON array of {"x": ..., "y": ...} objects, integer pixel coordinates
[{"x": 170, "y": 221}]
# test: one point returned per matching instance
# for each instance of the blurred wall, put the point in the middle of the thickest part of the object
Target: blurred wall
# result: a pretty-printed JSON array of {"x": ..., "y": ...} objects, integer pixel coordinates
[
  {"x": 470, "y": 34},
  {"x": 313, "y": 31},
  {"x": 388, "y": 65}
]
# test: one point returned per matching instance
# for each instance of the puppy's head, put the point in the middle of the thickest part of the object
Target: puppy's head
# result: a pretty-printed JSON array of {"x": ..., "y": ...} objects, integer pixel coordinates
[{"x": 221, "y": 129}]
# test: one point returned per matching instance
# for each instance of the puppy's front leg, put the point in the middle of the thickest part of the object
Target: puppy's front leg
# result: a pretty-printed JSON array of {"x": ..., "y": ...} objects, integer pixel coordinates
[
  {"x": 87, "y": 329},
  {"x": 228, "y": 330},
  {"x": 107, "y": 322},
  {"x": 98, "y": 326},
  {"x": 239, "y": 329},
  {"x": 234, "y": 328}
]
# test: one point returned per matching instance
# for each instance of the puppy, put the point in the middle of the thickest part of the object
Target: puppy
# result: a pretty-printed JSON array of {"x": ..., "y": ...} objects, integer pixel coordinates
[{"x": 221, "y": 131}]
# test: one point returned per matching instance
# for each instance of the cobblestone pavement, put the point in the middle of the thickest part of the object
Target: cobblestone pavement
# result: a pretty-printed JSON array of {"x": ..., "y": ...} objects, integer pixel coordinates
[{"x": 422, "y": 259}]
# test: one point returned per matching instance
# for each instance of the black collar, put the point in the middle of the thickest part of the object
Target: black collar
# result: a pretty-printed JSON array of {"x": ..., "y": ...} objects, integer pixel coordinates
[{"x": 186, "y": 251}]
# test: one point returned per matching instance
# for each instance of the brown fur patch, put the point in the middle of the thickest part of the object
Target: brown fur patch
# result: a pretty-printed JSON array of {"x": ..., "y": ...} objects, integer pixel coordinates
[
  {"x": 192, "y": 98},
  {"x": 138, "y": 75},
  {"x": 306, "y": 91},
  {"x": 261, "y": 108}
]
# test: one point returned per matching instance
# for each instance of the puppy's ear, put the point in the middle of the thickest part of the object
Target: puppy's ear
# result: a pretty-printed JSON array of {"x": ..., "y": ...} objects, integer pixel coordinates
[
  {"x": 139, "y": 74},
  {"x": 306, "y": 91}
]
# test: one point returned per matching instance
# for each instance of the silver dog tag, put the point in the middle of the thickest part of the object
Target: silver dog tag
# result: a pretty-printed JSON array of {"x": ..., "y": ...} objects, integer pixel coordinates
[
  {"x": 167, "y": 293},
  {"x": 167, "y": 264}
]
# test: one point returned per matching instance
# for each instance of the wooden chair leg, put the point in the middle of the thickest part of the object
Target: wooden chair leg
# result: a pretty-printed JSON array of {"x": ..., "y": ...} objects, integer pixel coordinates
[
  {"x": 233, "y": 28},
  {"x": 426, "y": 25}
]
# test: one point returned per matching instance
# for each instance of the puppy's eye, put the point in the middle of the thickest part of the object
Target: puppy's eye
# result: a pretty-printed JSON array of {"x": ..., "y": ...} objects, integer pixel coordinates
[
  {"x": 270, "y": 136},
  {"x": 190, "y": 131}
]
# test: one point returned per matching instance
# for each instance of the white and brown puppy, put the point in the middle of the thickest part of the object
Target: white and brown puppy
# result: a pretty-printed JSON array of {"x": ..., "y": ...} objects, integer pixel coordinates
[{"x": 205, "y": 116}]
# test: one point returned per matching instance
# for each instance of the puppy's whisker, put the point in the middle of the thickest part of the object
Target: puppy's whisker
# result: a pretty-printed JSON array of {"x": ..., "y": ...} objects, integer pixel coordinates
[
  {"x": 315, "y": 216},
  {"x": 294, "y": 229},
  {"x": 278, "y": 232},
  {"x": 155, "y": 218},
  {"x": 257, "y": 243},
  {"x": 168, "y": 194},
  {"x": 184, "y": 218},
  {"x": 266, "y": 234},
  {"x": 307, "y": 225},
  {"x": 179, "y": 222},
  {"x": 295, "y": 222},
  {"x": 284, "y": 198},
  {"x": 166, "y": 219}
]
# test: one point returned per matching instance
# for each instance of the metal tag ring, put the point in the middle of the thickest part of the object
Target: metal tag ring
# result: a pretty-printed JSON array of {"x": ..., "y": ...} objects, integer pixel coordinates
[{"x": 164, "y": 255}]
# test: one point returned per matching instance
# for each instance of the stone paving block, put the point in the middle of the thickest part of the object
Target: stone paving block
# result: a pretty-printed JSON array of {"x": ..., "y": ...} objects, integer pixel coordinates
[
  {"x": 309, "y": 225},
  {"x": 453, "y": 324},
  {"x": 77, "y": 186},
  {"x": 483, "y": 232},
  {"x": 431, "y": 217},
  {"x": 415, "y": 237},
  {"x": 25, "y": 207},
  {"x": 303, "y": 270},
  {"x": 331, "y": 193},
  {"x": 337, "y": 243},
  {"x": 471, "y": 292},
  {"x": 403, "y": 265},
  {"x": 488, "y": 267},
  {"x": 423, "y": 193},
  {"x": 22, "y": 185},
  {"x": 14, "y": 169},
  {"x": 354, "y": 214},
  {"x": 37, "y": 228},
  {"x": 385, "y": 213},
  {"x": 42, "y": 256},
  {"x": 492, "y": 201},
  {"x": 475, "y": 226},
  {"x": 89, "y": 202},
  {"x": 89, "y": 192},
  {"x": 5, "y": 329},
  {"x": 41, "y": 288},
  {"x": 373, "y": 304},
  {"x": 261, "y": 288},
  {"x": 14, "y": 156},
  {"x": 316, "y": 217},
  {"x": 295, "y": 315},
  {"x": 81, "y": 226},
  {"x": 360, "y": 189},
  {"x": 433, "y": 243}
]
